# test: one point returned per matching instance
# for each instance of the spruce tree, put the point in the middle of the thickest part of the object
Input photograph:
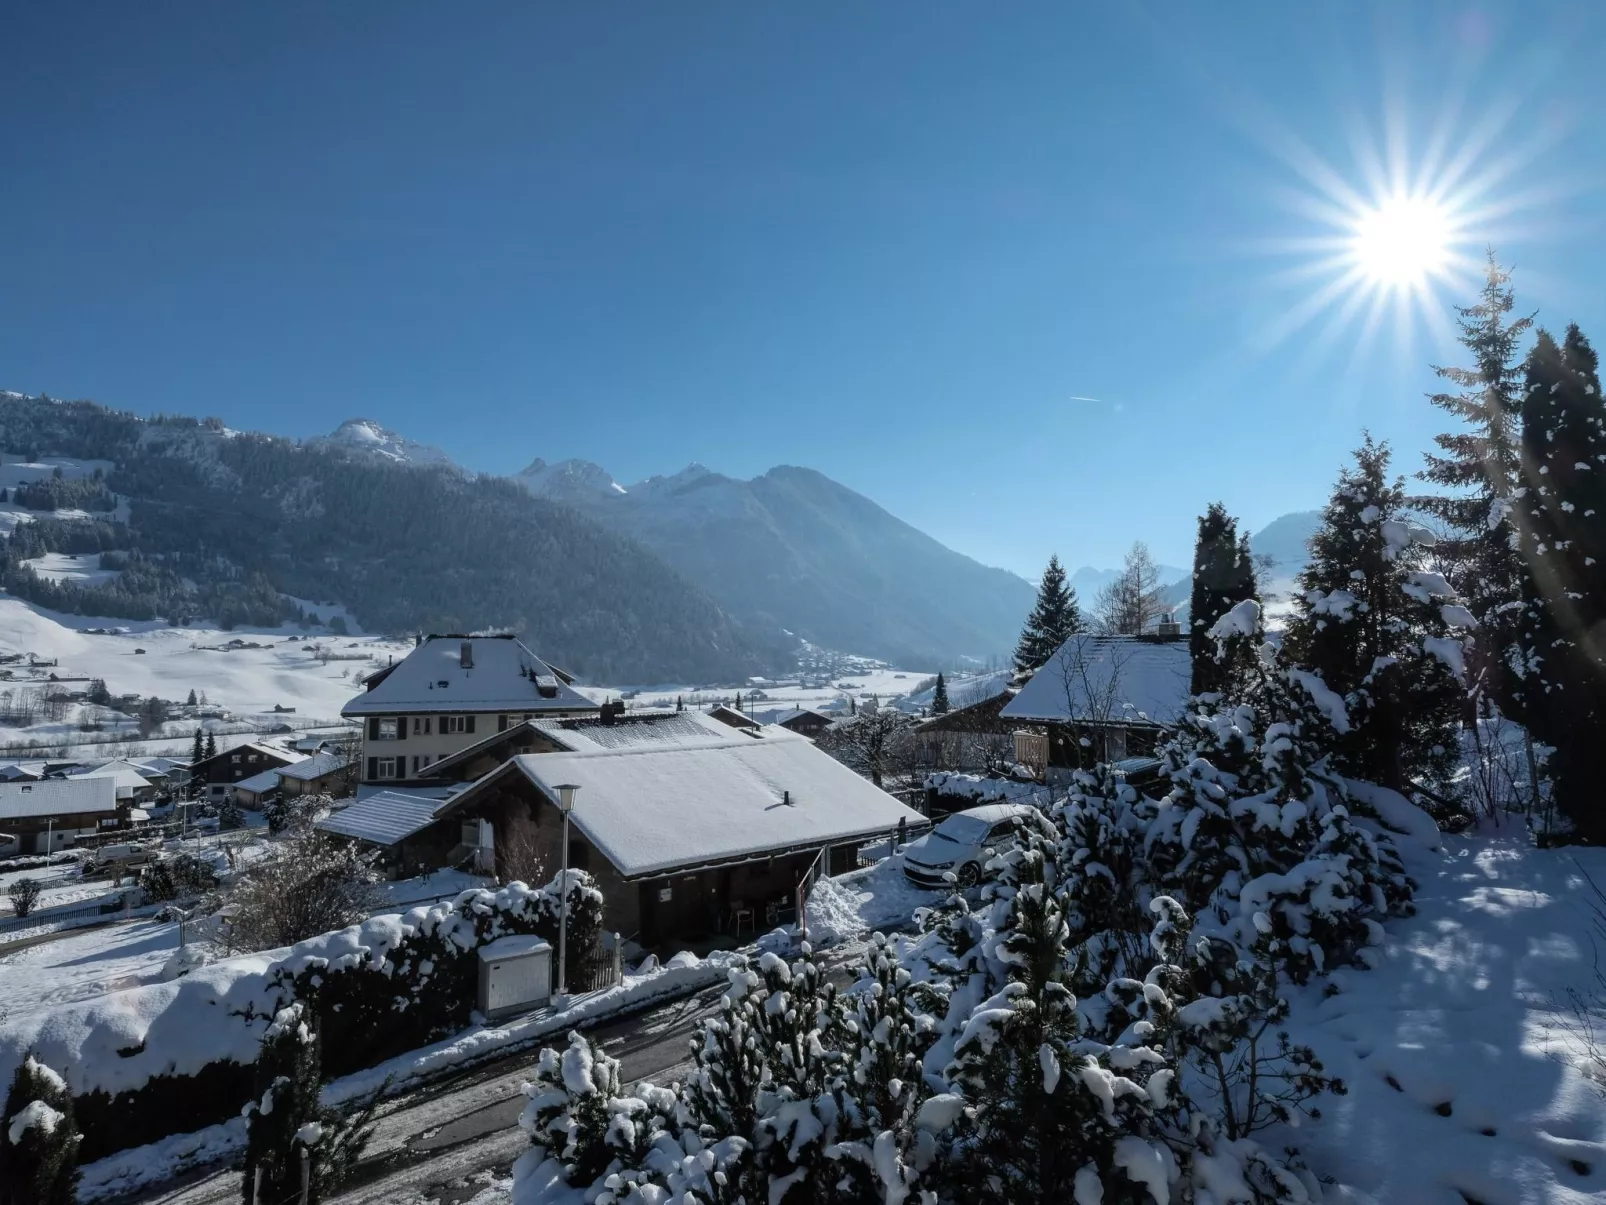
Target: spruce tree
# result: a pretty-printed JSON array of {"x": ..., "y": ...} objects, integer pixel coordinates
[
  {"x": 1480, "y": 465},
  {"x": 1381, "y": 630},
  {"x": 939, "y": 697},
  {"x": 211, "y": 744},
  {"x": 1055, "y": 617},
  {"x": 198, "y": 751},
  {"x": 190, "y": 702},
  {"x": 1562, "y": 517},
  {"x": 1223, "y": 577},
  {"x": 38, "y": 1139}
]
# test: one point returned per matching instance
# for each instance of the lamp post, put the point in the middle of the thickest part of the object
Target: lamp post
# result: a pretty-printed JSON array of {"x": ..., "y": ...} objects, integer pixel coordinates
[{"x": 565, "y": 805}]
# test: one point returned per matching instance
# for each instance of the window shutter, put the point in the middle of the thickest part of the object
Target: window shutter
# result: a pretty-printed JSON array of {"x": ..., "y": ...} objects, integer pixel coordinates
[
  {"x": 468, "y": 723},
  {"x": 501, "y": 723},
  {"x": 373, "y": 768},
  {"x": 426, "y": 725},
  {"x": 373, "y": 728}
]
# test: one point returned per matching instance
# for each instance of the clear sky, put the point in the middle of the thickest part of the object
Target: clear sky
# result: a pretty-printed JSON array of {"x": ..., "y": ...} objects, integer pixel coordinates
[{"x": 901, "y": 243}]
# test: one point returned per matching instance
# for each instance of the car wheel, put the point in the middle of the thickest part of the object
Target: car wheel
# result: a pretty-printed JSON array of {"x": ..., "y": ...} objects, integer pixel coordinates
[{"x": 969, "y": 874}]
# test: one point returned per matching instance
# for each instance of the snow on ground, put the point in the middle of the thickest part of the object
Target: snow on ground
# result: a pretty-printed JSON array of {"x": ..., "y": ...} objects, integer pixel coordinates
[
  {"x": 314, "y": 674},
  {"x": 885, "y": 683},
  {"x": 1464, "y": 1081},
  {"x": 85, "y": 965},
  {"x": 83, "y": 569},
  {"x": 851, "y": 905},
  {"x": 61, "y": 886}
]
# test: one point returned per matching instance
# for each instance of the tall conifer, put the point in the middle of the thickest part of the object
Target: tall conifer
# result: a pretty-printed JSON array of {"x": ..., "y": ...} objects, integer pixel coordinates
[
  {"x": 1223, "y": 577},
  {"x": 1054, "y": 619}
]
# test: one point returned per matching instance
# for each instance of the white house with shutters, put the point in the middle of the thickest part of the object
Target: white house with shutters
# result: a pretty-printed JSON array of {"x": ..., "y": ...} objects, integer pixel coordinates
[{"x": 449, "y": 693}]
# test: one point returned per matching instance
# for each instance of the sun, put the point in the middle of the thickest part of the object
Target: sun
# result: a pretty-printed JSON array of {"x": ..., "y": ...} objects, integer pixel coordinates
[{"x": 1404, "y": 243}]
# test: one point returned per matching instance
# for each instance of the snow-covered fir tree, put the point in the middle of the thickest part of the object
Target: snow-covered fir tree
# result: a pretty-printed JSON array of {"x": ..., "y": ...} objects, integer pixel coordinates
[
  {"x": 1480, "y": 466},
  {"x": 38, "y": 1139},
  {"x": 1223, "y": 576},
  {"x": 939, "y": 696},
  {"x": 297, "y": 1151},
  {"x": 1382, "y": 629},
  {"x": 1562, "y": 517},
  {"x": 1054, "y": 619}
]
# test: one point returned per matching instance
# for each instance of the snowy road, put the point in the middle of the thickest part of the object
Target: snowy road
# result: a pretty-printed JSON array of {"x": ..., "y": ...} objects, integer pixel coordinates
[{"x": 446, "y": 1142}]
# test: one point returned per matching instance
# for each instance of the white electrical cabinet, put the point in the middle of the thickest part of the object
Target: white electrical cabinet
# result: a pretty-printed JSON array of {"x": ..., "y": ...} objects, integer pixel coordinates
[{"x": 515, "y": 976}]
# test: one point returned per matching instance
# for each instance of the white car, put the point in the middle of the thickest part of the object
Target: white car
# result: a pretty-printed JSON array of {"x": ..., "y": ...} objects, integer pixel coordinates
[{"x": 962, "y": 844}]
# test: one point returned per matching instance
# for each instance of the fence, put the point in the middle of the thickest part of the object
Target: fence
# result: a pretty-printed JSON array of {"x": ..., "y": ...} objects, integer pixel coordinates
[
  {"x": 597, "y": 966},
  {"x": 49, "y": 916}
]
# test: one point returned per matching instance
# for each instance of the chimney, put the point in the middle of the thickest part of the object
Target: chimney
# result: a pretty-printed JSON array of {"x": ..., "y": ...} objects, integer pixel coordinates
[
  {"x": 418, "y": 639},
  {"x": 611, "y": 711},
  {"x": 465, "y": 654},
  {"x": 1170, "y": 629}
]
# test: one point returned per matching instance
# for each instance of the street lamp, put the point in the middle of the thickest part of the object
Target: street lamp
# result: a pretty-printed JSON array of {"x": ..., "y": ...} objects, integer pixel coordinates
[{"x": 565, "y": 805}]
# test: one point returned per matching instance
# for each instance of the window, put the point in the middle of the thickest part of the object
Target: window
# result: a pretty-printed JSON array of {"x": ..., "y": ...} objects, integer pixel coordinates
[
  {"x": 235, "y": 758},
  {"x": 386, "y": 767},
  {"x": 386, "y": 730},
  {"x": 421, "y": 725},
  {"x": 457, "y": 723}
]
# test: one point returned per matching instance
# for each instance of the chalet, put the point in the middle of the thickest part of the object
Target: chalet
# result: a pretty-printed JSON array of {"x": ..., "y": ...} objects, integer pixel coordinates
[
  {"x": 973, "y": 736},
  {"x": 44, "y": 816},
  {"x": 216, "y": 775},
  {"x": 1099, "y": 699},
  {"x": 804, "y": 721},
  {"x": 690, "y": 826},
  {"x": 326, "y": 773},
  {"x": 449, "y": 693},
  {"x": 728, "y": 715}
]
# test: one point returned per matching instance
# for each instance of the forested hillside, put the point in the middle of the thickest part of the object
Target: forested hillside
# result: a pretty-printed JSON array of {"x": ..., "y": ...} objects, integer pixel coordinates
[{"x": 225, "y": 523}]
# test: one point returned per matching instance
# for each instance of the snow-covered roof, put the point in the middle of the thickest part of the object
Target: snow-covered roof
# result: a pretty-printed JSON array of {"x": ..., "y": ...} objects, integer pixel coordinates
[
  {"x": 314, "y": 767},
  {"x": 122, "y": 773},
  {"x": 161, "y": 765},
  {"x": 656, "y": 730},
  {"x": 384, "y": 817},
  {"x": 705, "y": 793},
  {"x": 268, "y": 780},
  {"x": 498, "y": 673},
  {"x": 57, "y": 797},
  {"x": 1108, "y": 679}
]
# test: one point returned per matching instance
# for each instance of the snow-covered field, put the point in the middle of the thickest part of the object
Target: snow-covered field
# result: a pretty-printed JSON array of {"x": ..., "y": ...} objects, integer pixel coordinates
[
  {"x": 885, "y": 684},
  {"x": 83, "y": 570},
  {"x": 84, "y": 965},
  {"x": 314, "y": 675}
]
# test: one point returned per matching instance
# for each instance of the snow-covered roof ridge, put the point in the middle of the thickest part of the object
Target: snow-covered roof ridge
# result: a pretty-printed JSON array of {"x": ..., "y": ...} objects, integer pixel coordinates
[
  {"x": 468, "y": 673},
  {"x": 1108, "y": 680},
  {"x": 384, "y": 817},
  {"x": 309, "y": 768}
]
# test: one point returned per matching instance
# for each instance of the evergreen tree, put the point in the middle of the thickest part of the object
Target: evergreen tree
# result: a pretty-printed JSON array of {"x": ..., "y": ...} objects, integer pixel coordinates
[
  {"x": 297, "y": 1151},
  {"x": 1223, "y": 576},
  {"x": 191, "y": 700},
  {"x": 1380, "y": 630},
  {"x": 939, "y": 697},
  {"x": 211, "y": 743},
  {"x": 38, "y": 1139},
  {"x": 1480, "y": 465},
  {"x": 1562, "y": 516},
  {"x": 198, "y": 750},
  {"x": 1054, "y": 619}
]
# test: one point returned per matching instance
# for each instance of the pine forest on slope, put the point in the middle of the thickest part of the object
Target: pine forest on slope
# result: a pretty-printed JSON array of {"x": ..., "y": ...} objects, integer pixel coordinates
[{"x": 224, "y": 524}]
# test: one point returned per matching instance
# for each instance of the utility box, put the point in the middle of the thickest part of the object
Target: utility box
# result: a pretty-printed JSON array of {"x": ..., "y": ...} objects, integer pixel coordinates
[{"x": 515, "y": 976}]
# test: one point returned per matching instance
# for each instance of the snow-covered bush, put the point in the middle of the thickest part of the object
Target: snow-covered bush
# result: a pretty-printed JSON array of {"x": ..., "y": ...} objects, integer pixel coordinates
[
  {"x": 24, "y": 894},
  {"x": 38, "y": 1139},
  {"x": 182, "y": 876}
]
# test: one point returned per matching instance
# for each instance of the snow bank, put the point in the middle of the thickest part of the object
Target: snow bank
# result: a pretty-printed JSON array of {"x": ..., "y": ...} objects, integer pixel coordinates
[{"x": 980, "y": 790}]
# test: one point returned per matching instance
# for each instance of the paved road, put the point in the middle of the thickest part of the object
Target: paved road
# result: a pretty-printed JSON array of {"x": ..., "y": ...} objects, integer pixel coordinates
[{"x": 445, "y": 1142}]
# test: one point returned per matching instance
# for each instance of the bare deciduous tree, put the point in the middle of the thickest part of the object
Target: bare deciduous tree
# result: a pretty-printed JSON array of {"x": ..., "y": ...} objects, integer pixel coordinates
[
  {"x": 312, "y": 885},
  {"x": 1131, "y": 604},
  {"x": 878, "y": 744}
]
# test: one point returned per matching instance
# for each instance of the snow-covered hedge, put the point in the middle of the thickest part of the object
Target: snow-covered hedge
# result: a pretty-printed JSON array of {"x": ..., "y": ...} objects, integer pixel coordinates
[
  {"x": 976, "y": 790},
  {"x": 170, "y": 1058}
]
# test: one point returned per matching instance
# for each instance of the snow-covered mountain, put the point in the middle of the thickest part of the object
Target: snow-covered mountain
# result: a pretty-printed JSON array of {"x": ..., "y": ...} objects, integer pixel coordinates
[
  {"x": 570, "y": 481},
  {"x": 794, "y": 549},
  {"x": 366, "y": 438},
  {"x": 1284, "y": 541}
]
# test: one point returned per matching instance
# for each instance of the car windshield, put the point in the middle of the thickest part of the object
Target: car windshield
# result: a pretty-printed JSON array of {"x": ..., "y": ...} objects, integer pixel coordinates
[{"x": 961, "y": 830}]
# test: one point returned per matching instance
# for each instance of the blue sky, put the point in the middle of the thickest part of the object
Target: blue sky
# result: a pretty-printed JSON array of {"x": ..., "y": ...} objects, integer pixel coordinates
[{"x": 894, "y": 242}]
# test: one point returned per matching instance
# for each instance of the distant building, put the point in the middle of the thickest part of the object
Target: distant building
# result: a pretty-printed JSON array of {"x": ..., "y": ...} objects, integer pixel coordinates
[
  {"x": 216, "y": 775},
  {"x": 257, "y": 790},
  {"x": 1100, "y": 699},
  {"x": 131, "y": 786},
  {"x": 804, "y": 721},
  {"x": 728, "y": 715},
  {"x": 320, "y": 774},
  {"x": 51, "y": 814},
  {"x": 449, "y": 693}
]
